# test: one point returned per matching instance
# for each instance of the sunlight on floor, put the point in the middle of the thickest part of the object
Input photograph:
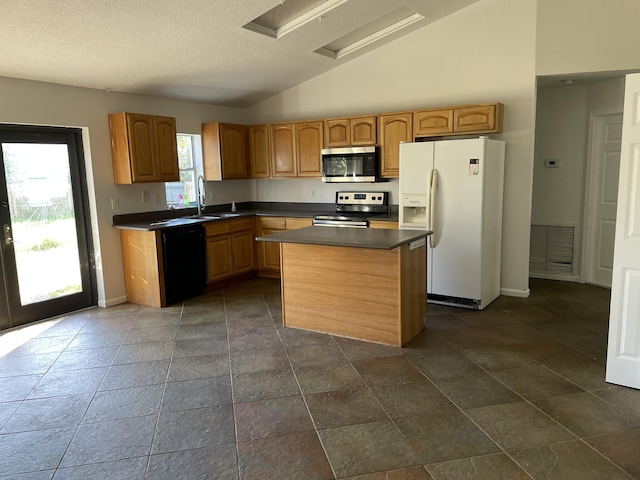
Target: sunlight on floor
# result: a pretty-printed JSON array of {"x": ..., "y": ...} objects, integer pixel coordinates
[{"x": 12, "y": 339}]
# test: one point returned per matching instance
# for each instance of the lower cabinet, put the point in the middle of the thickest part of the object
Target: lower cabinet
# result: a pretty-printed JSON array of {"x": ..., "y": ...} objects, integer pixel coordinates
[
  {"x": 230, "y": 248},
  {"x": 269, "y": 252}
]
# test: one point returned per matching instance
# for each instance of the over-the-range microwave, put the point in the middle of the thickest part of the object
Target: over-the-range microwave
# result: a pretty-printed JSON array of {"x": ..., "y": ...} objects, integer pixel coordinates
[{"x": 351, "y": 164}]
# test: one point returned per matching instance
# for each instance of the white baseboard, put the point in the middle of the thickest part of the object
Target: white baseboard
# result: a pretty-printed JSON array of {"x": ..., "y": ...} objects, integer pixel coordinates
[
  {"x": 112, "y": 301},
  {"x": 512, "y": 292}
]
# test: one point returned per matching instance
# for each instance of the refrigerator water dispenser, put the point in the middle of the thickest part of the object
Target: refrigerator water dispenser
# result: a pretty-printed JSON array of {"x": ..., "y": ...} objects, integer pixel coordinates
[{"x": 414, "y": 211}]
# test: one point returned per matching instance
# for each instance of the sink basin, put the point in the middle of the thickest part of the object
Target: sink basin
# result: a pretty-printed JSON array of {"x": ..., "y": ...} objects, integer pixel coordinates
[
  {"x": 203, "y": 217},
  {"x": 227, "y": 215}
]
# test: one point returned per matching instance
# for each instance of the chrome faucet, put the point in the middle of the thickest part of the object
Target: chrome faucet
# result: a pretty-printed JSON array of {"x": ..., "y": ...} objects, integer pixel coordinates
[{"x": 201, "y": 194}]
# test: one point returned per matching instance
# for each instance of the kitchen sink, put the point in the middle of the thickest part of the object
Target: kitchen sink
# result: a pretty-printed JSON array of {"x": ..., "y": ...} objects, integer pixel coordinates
[
  {"x": 227, "y": 215},
  {"x": 204, "y": 217}
]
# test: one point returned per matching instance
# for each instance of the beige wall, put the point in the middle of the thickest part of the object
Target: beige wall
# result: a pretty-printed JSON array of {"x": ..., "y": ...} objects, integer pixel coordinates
[
  {"x": 48, "y": 104},
  {"x": 587, "y": 36},
  {"x": 483, "y": 53}
]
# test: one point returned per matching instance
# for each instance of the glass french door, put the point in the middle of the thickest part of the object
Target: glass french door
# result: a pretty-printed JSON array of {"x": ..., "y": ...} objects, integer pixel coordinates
[{"x": 45, "y": 242}]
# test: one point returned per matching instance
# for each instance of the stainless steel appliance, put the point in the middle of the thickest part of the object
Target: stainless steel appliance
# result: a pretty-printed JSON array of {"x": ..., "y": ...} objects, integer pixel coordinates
[
  {"x": 353, "y": 164},
  {"x": 353, "y": 209}
]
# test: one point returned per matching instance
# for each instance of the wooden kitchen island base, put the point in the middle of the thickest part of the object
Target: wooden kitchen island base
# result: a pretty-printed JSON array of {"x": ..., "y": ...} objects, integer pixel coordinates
[{"x": 369, "y": 294}]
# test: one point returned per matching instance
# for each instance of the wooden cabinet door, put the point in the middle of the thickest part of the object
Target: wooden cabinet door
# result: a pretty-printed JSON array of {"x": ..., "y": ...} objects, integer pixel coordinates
[
  {"x": 337, "y": 132},
  {"x": 283, "y": 150},
  {"x": 432, "y": 122},
  {"x": 142, "y": 148},
  {"x": 477, "y": 118},
  {"x": 166, "y": 149},
  {"x": 233, "y": 151},
  {"x": 309, "y": 149},
  {"x": 392, "y": 130},
  {"x": 259, "y": 158},
  {"x": 269, "y": 253},
  {"x": 219, "y": 253},
  {"x": 242, "y": 252},
  {"x": 363, "y": 131}
]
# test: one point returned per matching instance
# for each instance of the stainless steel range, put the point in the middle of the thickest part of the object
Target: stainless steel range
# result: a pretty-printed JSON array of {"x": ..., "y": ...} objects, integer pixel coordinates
[{"x": 353, "y": 209}]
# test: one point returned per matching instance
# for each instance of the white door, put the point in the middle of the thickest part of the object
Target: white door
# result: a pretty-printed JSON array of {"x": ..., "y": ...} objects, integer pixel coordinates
[
  {"x": 604, "y": 170},
  {"x": 456, "y": 259},
  {"x": 623, "y": 356}
]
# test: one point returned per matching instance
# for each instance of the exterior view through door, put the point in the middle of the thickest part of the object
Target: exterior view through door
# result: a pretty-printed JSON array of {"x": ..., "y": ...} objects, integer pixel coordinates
[{"x": 46, "y": 246}]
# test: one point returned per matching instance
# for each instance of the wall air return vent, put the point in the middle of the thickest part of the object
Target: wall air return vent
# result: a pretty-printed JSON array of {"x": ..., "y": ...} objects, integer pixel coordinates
[
  {"x": 551, "y": 252},
  {"x": 373, "y": 32},
  {"x": 290, "y": 15}
]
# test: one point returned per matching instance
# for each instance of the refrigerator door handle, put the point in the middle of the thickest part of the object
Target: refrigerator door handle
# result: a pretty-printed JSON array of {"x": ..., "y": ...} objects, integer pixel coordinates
[{"x": 432, "y": 208}]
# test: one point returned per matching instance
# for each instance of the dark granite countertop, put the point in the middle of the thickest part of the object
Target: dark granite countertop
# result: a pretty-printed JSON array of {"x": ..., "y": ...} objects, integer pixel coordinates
[
  {"x": 375, "y": 238},
  {"x": 158, "y": 220}
]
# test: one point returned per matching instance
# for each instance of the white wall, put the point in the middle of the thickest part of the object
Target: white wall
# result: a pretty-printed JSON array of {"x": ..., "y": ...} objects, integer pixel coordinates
[
  {"x": 561, "y": 133},
  {"x": 483, "y": 53},
  {"x": 587, "y": 36},
  {"x": 48, "y": 104}
]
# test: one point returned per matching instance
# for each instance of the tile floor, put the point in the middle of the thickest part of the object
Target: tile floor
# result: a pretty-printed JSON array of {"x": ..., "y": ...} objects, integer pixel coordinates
[{"x": 216, "y": 388}]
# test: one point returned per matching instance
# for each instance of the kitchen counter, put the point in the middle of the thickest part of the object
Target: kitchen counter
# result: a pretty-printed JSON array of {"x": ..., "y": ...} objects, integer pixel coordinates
[
  {"x": 362, "y": 283},
  {"x": 177, "y": 218},
  {"x": 381, "y": 239}
]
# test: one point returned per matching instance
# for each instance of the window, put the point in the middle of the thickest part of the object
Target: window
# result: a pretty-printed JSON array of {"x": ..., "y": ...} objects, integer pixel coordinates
[{"x": 183, "y": 193}]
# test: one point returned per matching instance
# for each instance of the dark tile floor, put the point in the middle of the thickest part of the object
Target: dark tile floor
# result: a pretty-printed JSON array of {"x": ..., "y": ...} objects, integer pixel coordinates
[{"x": 216, "y": 388}]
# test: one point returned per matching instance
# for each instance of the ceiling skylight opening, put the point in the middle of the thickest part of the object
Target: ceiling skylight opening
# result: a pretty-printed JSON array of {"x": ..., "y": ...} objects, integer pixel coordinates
[
  {"x": 289, "y": 16},
  {"x": 371, "y": 33}
]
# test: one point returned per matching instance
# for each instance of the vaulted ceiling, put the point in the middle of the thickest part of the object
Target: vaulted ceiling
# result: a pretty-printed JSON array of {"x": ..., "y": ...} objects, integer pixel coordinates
[{"x": 225, "y": 52}]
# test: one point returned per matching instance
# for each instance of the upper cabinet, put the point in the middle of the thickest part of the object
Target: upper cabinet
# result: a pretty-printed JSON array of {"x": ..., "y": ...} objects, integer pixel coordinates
[
  {"x": 352, "y": 131},
  {"x": 434, "y": 121},
  {"x": 473, "y": 119},
  {"x": 224, "y": 151},
  {"x": 309, "y": 137},
  {"x": 296, "y": 149},
  {"x": 478, "y": 118},
  {"x": 259, "y": 154},
  {"x": 393, "y": 129},
  {"x": 143, "y": 148}
]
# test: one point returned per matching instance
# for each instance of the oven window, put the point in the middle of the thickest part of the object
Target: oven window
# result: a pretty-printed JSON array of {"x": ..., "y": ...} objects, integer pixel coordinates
[{"x": 337, "y": 166}]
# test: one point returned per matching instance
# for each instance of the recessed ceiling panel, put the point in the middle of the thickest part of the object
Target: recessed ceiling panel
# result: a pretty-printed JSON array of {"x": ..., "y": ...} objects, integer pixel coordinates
[
  {"x": 382, "y": 27},
  {"x": 290, "y": 15}
]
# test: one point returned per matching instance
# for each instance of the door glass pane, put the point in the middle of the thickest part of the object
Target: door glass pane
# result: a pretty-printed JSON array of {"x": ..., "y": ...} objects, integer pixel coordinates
[{"x": 43, "y": 220}]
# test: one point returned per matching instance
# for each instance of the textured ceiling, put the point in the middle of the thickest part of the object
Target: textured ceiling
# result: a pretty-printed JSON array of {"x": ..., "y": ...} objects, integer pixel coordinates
[{"x": 187, "y": 49}]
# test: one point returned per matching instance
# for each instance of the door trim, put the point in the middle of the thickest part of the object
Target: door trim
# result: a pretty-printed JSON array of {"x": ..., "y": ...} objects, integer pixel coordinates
[
  {"x": 61, "y": 305},
  {"x": 587, "y": 233}
]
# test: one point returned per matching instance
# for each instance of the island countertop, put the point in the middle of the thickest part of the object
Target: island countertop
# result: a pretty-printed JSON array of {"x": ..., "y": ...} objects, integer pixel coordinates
[{"x": 375, "y": 238}]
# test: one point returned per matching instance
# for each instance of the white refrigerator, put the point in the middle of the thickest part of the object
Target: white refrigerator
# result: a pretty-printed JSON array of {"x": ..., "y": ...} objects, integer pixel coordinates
[{"x": 454, "y": 188}]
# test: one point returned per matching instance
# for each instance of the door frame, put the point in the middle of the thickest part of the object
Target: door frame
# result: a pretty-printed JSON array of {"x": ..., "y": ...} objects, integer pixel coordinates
[
  {"x": 83, "y": 223},
  {"x": 589, "y": 223}
]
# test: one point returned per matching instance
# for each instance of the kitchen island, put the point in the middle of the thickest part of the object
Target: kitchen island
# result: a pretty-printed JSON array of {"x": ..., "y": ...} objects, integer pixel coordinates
[{"x": 362, "y": 283}]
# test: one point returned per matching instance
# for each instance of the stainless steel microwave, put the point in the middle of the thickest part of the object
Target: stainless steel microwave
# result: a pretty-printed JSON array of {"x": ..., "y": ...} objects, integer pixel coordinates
[{"x": 352, "y": 164}]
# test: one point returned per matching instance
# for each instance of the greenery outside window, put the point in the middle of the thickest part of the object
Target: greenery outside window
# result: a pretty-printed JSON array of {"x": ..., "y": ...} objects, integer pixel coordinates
[{"x": 183, "y": 193}]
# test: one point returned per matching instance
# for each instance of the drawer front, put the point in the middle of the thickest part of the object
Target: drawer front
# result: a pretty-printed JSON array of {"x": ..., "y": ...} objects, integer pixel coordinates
[
  {"x": 274, "y": 223},
  {"x": 220, "y": 227},
  {"x": 295, "y": 223}
]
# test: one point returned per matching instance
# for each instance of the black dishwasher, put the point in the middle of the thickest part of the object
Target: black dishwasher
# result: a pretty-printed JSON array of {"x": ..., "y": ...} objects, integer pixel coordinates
[{"x": 185, "y": 268}]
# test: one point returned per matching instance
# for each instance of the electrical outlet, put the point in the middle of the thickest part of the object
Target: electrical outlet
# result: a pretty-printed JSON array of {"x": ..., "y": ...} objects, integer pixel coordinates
[
  {"x": 145, "y": 196},
  {"x": 313, "y": 193},
  {"x": 114, "y": 204},
  {"x": 267, "y": 194},
  {"x": 212, "y": 196}
]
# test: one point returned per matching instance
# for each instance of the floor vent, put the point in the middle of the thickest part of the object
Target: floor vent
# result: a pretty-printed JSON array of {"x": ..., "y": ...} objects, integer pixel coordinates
[{"x": 552, "y": 250}]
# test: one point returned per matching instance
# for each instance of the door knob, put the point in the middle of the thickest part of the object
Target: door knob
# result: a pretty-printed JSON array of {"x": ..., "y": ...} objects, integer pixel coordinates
[{"x": 7, "y": 234}]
